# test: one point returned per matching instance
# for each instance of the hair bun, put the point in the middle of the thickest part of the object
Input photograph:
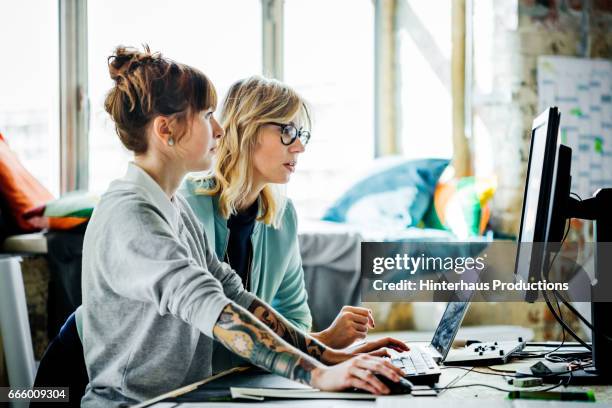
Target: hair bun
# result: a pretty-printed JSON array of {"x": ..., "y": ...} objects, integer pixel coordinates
[{"x": 126, "y": 59}]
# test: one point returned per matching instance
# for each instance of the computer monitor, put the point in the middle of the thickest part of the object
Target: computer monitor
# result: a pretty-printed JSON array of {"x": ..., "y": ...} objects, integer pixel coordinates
[
  {"x": 546, "y": 207},
  {"x": 546, "y": 187}
]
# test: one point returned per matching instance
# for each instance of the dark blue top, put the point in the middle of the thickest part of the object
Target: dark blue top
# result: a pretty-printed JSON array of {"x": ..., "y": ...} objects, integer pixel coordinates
[{"x": 239, "y": 249}]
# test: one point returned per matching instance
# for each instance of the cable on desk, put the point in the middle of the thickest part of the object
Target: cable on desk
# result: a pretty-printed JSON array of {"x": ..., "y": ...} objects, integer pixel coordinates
[
  {"x": 456, "y": 379},
  {"x": 545, "y": 275},
  {"x": 499, "y": 370},
  {"x": 526, "y": 354},
  {"x": 557, "y": 295},
  {"x": 552, "y": 387},
  {"x": 580, "y": 367},
  {"x": 575, "y": 358},
  {"x": 580, "y": 316},
  {"x": 509, "y": 373}
]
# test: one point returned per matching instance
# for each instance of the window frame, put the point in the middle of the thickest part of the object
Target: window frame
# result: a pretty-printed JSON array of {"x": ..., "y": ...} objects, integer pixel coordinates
[{"x": 74, "y": 98}]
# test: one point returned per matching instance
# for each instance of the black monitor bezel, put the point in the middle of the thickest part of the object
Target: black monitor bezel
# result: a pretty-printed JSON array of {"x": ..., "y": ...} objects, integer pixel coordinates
[{"x": 551, "y": 119}]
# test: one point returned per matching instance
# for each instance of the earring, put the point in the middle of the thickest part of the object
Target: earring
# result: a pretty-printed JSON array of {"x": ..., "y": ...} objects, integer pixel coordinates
[{"x": 170, "y": 141}]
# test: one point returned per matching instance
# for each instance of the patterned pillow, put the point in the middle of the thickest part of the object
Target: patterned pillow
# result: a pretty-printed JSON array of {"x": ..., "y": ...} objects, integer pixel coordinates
[
  {"x": 70, "y": 210},
  {"x": 398, "y": 194},
  {"x": 461, "y": 206}
]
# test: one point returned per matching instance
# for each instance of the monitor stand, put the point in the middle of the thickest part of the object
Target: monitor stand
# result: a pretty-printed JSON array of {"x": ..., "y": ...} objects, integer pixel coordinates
[{"x": 599, "y": 209}]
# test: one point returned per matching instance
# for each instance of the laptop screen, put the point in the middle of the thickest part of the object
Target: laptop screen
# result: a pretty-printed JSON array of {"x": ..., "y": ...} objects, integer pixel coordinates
[{"x": 448, "y": 326}]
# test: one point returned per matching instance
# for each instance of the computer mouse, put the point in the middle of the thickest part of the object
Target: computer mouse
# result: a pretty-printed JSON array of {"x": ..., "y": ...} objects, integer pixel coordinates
[{"x": 404, "y": 386}]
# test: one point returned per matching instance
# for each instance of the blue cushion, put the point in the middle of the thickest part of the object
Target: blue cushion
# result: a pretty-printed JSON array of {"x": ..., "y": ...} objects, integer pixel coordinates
[{"x": 397, "y": 195}]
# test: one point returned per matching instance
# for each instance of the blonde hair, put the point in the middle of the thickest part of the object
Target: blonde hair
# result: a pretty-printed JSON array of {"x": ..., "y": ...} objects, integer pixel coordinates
[{"x": 251, "y": 103}]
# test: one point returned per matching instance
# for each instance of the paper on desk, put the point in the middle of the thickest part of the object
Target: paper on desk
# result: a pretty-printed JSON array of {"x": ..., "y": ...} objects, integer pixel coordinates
[
  {"x": 397, "y": 401},
  {"x": 261, "y": 393}
]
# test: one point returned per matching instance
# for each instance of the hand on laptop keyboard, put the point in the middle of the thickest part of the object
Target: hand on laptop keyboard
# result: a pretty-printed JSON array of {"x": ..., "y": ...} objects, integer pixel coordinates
[{"x": 379, "y": 347}]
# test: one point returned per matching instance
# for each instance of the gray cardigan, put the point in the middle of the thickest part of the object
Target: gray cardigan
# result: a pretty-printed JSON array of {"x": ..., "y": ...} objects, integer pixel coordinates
[{"x": 152, "y": 293}]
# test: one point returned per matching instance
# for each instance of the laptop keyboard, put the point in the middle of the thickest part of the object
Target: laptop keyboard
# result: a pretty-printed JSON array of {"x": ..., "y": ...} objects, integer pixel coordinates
[{"x": 415, "y": 362}]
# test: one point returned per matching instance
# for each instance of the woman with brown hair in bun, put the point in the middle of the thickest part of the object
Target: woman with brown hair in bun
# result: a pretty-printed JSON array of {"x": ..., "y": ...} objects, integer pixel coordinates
[{"x": 154, "y": 294}]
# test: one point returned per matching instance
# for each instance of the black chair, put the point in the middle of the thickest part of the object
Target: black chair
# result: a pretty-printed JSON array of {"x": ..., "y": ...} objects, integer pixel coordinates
[{"x": 63, "y": 364}]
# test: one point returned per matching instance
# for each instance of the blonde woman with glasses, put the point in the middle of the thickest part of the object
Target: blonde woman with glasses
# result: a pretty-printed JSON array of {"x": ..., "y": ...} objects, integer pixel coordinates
[{"x": 249, "y": 223}]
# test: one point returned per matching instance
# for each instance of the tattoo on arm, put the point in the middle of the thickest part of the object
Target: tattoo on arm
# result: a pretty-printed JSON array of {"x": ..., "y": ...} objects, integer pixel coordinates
[
  {"x": 287, "y": 331},
  {"x": 246, "y": 336}
]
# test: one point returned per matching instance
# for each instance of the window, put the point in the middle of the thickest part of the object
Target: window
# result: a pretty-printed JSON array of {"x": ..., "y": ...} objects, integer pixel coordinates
[
  {"x": 29, "y": 107},
  {"x": 330, "y": 62},
  {"x": 222, "y": 38},
  {"x": 424, "y": 59}
]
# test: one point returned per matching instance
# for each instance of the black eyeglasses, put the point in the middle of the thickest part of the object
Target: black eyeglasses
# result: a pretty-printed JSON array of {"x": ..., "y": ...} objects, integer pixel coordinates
[{"x": 289, "y": 133}]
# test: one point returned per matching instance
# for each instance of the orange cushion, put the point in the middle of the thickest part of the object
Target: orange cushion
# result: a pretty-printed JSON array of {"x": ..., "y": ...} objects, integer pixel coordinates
[
  {"x": 19, "y": 189},
  {"x": 65, "y": 223}
]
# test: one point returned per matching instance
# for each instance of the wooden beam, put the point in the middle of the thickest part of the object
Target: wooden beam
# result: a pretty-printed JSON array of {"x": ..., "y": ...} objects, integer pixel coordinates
[
  {"x": 385, "y": 73},
  {"x": 461, "y": 150}
]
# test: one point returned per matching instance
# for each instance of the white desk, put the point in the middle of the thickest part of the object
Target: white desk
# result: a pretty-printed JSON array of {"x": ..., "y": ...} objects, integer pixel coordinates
[
  {"x": 462, "y": 397},
  {"x": 459, "y": 397}
]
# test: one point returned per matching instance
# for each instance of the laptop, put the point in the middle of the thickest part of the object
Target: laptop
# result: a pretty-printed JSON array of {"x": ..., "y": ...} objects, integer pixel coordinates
[{"x": 420, "y": 363}]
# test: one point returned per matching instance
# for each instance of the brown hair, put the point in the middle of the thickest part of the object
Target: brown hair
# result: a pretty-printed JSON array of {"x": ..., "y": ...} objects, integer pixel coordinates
[{"x": 148, "y": 85}]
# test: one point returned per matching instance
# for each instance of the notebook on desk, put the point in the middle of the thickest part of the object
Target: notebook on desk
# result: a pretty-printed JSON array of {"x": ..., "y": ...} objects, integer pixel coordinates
[{"x": 219, "y": 389}]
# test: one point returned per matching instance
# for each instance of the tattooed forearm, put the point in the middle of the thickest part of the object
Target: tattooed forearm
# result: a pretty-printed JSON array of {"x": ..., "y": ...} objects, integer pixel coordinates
[
  {"x": 287, "y": 331},
  {"x": 246, "y": 336}
]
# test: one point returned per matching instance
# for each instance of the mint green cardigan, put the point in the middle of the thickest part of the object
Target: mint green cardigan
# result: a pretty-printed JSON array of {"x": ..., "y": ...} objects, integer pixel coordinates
[{"x": 276, "y": 276}]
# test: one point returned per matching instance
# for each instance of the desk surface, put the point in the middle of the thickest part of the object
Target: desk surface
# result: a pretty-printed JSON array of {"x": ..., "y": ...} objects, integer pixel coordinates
[{"x": 467, "y": 397}]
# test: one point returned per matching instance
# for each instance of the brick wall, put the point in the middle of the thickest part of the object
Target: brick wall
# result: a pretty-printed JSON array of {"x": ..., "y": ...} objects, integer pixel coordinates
[{"x": 508, "y": 38}]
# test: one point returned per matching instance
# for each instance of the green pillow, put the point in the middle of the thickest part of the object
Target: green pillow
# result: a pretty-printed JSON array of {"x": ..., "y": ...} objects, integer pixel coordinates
[{"x": 78, "y": 204}]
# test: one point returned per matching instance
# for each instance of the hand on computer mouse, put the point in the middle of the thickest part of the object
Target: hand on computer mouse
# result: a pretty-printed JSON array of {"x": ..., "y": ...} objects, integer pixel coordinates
[
  {"x": 358, "y": 372},
  {"x": 403, "y": 386}
]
